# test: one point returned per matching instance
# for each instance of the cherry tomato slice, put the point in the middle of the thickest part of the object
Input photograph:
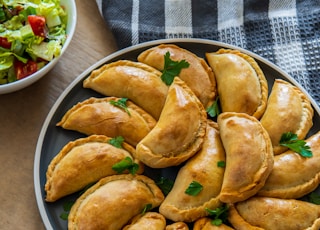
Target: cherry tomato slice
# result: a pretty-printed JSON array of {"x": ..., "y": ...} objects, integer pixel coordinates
[
  {"x": 38, "y": 24},
  {"x": 23, "y": 70},
  {"x": 5, "y": 43}
]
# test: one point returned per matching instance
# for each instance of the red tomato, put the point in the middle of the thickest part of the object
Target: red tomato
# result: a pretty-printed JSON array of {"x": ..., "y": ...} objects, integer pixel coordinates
[
  {"x": 38, "y": 24},
  {"x": 5, "y": 43},
  {"x": 23, "y": 70}
]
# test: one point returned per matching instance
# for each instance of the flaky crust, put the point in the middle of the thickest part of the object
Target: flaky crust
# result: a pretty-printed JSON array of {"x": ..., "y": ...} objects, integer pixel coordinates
[
  {"x": 179, "y": 132},
  {"x": 285, "y": 181},
  {"x": 98, "y": 116},
  {"x": 204, "y": 223},
  {"x": 118, "y": 197},
  {"x": 83, "y": 162},
  {"x": 264, "y": 213},
  {"x": 242, "y": 86},
  {"x": 198, "y": 76},
  {"x": 136, "y": 81},
  {"x": 177, "y": 226},
  {"x": 277, "y": 120},
  {"x": 147, "y": 221},
  {"x": 249, "y": 156},
  {"x": 202, "y": 168}
]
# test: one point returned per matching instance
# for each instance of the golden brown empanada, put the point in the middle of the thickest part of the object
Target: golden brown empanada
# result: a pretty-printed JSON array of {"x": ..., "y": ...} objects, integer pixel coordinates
[
  {"x": 288, "y": 110},
  {"x": 198, "y": 76},
  {"x": 242, "y": 86},
  {"x": 293, "y": 175},
  {"x": 147, "y": 221},
  {"x": 204, "y": 223},
  {"x": 249, "y": 156},
  {"x": 264, "y": 213},
  {"x": 179, "y": 132},
  {"x": 113, "y": 201},
  {"x": 82, "y": 162},
  {"x": 99, "y": 116},
  {"x": 202, "y": 168},
  {"x": 133, "y": 80},
  {"x": 177, "y": 226}
]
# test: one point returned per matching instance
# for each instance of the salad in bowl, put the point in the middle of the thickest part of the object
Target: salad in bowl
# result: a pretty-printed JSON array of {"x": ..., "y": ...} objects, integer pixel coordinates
[{"x": 32, "y": 34}]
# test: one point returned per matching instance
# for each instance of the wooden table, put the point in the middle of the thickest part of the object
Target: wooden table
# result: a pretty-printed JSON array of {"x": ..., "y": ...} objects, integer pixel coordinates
[{"x": 22, "y": 114}]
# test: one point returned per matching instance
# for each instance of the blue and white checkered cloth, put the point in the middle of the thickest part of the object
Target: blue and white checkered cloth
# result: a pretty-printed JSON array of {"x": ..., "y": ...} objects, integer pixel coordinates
[{"x": 285, "y": 32}]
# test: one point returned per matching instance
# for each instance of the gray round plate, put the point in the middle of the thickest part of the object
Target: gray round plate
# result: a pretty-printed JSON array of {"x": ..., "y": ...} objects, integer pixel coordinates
[{"x": 52, "y": 138}]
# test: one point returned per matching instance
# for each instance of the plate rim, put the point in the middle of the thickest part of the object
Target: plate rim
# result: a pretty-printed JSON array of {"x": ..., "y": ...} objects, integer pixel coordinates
[{"x": 66, "y": 91}]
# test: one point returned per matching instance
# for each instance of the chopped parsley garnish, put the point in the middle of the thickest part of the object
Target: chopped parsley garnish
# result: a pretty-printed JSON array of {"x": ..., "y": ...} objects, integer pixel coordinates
[
  {"x": 146, "y": 208},
  {"x": 66, "y": 210},
  {"x": 291, "y": 141},
  {"x": 221, "y": 164},
  {"x": 194, "y": 188},
  {"x": 214, "y": 109},
  {"x": 165, "y": 185},
  {"x": 314, "y": 198},
  {"x": 172, "y": 68},
  {"x": 121, "y": 103},
  {"x": 116, "y": 142},
  {"x": 126, "y": 164},
  {"x": 218, "y": 215}
]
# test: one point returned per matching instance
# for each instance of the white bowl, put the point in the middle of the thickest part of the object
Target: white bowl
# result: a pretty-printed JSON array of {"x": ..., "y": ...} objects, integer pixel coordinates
[{"x": 71, "y": 10}]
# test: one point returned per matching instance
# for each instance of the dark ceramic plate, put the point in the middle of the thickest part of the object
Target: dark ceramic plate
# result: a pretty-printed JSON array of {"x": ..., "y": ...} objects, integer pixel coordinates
[{"x": 52, "y": 138}]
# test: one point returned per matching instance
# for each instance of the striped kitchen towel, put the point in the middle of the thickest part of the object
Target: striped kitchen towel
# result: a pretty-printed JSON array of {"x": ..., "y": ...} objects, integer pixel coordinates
[{"x": 286, "y": 32}]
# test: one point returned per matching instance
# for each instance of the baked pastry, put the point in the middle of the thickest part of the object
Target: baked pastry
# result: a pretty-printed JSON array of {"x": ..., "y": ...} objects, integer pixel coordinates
[
  {"x": 133, "y": 80},
  {"x": 264, "y": 213},
  {"x": 113, "y": 201},
  {"x": 83, "y": 162},
  {"x": 277, "y": 120},
  {"x": 242, "y": 86},
  {"x": 204, "y": 223},
  {"x": 198, "y": 76},
  {"x": 293, "y": 175},
  {"x": 249, "y": 156},
  {"x": 177, "y": 226},
  {"x": 99, "y": 116},
  {"x": 202, "y": 168},
  {"x": 147, "y": 221},
  {"x": 179, "y": 132}
]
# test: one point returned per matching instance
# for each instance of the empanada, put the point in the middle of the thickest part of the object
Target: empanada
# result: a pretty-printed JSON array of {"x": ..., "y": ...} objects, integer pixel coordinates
[
  {"x": 83, "y": 162},
  {"x": 288, "y": 110},
  {"x": 99, "y": 116},
  {"x": 242, "y": 86},
  {"x": 179, "y": 132},
  {"x": 198, "y": 76},
  {"x": 202, "y": 168},
  {"x": 133, "y": 80},
  {"x": 293, "y": 175},
  {"x": 177, "y": 226},
  {"x": 249, "y": 156},
  {"x": 113, "y": 201},
  {"x": 264, "y": 213},
  {"x": 147, "y": 221},
  {"x": 204, "y": 223}
]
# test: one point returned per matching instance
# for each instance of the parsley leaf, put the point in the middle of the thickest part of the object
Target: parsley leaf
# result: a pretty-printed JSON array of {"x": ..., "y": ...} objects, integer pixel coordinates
[
  {"x": 146, "y": 208},
  {"x": 121, "y": 103},
  {"x": 221, "y": 164},
  {"x": 172, "y": 68},
  {"x": 165, "y": 185},
  {"x": 66, "y": 210},
  {"x": 291, "y": 141},
  {"x": 314, "y": 198},
  {"x": 126, "y": 164},
  {"x": 219, "y": 215},
  {"x": 116, "y": 142},
  {"x": 194, "y": 188},
  {"x": 214, "y": 109}
]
